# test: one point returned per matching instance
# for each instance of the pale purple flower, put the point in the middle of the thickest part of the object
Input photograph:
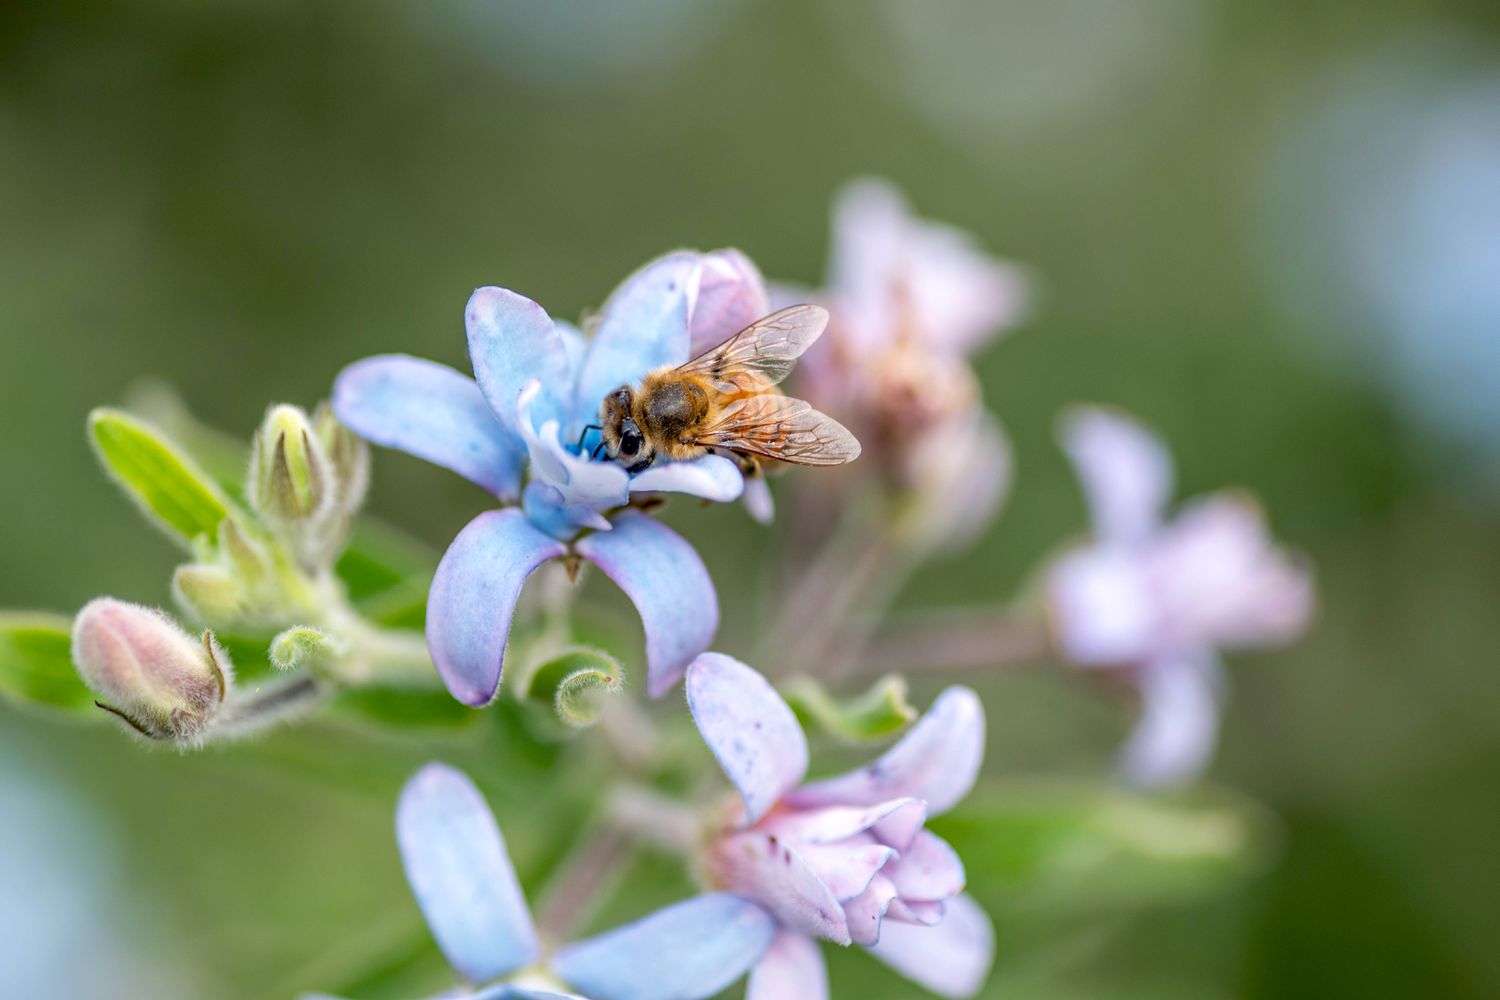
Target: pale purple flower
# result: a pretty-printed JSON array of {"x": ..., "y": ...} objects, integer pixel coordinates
[
  {"x": 910, "y": 301},
  {"x": 848, "y": 858},
  {"x": 538, "y": 384},
  {"x": 1158, "y": 598},
  {"x": 462, "y": 878}
]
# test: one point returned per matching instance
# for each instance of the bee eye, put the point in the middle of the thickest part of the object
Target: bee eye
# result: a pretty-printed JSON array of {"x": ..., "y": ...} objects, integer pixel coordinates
[{"x": 630, "y": 443}]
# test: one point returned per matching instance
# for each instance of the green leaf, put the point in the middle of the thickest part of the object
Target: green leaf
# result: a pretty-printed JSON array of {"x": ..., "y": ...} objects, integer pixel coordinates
[
  {"x": 36, "y": 665},
  {"x": 880, "y": 712},
  {"x": 167, "y": 485},
  {"x": 575, "y": 684},
  {"x": 402, "y": 706},
  {"x": 1081, "y": 846}
]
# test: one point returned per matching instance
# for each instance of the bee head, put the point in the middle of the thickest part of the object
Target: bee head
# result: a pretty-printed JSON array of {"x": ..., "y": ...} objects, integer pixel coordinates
[{"x": 623, "y": 439}]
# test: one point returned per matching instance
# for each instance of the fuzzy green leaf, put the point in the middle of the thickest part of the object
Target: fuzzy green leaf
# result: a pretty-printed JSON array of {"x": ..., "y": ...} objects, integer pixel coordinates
[
  {"x": 36, "y": 665},
  {"x": 575, "y": 683},
  {"x": 875, "y": 714},
  {"x": 301, "y": 647},
  {"x": 384, "y": 705},
  {"x": 169, "y": 487},
  {"x": 1079, "y": 846}
]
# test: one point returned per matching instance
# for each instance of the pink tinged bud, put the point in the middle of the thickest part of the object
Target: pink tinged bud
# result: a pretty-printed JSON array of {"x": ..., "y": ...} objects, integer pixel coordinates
[{"x": 163, "y": 682}]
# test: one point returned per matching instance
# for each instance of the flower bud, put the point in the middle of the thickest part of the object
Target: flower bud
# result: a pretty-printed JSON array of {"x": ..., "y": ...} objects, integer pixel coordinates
[
  {"x": 289, "y": 474},
  {"x": 348, "y": 455},
  {"x": 163, "y": 682},
  {"x": 208, "y": 592}
]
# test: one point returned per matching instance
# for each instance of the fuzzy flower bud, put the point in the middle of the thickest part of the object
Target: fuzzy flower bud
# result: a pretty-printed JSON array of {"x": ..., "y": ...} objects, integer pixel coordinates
[
  {"x": 163, "y": 682},
  {"x": 289, "y": 473},
  {"x": 348, "y": 457}
]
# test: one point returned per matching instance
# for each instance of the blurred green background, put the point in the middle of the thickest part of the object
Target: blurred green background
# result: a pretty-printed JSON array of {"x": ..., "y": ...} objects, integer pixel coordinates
[{"x": 242, "y": 197}]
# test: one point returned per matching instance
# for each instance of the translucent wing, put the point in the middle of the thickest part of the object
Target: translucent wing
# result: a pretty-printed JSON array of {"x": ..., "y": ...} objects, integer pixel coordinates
[
  {"x": 763, "y": 353},
  {"x": 779, "y": 427}
]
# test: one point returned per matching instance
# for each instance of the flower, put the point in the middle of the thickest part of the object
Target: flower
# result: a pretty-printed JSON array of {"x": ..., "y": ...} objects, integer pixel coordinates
[
  {"x": 461, "y": 876},
  {"x": 537, "y": 384},
  {"x": 162, "y": 682},
  {"x": 847, "y": 858},
  {"x": 911, "y": 301},
  {"x": 1159, "y": 598}
]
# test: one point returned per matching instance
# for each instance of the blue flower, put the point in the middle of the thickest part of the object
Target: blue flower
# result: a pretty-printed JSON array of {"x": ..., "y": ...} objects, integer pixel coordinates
[
  {"x": 518, "y": 429},
  {"x": 461, "y": 875}
]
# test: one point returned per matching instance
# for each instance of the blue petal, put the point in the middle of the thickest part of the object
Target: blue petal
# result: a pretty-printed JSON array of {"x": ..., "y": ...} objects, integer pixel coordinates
[
  {"x": 578, "y": 481},
  {"x": 669, "y": 585},
  {"x": 431, "y": 411},
  {"x": 712, "y": 477},
  {"x": 473, "y": 597},
  {"x": 456, "y": 863},
  {"x": 688, "y": 951},
  {"x": 511, "y": 341},
  {"x": 549, "y": 511},
  {"x": 643, "y": 326}
]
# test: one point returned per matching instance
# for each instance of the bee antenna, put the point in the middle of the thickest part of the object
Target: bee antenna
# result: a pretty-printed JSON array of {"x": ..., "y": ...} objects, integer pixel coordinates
[
  {"x": 597, "y": 449},
  {"x": 585, "y": 433}
]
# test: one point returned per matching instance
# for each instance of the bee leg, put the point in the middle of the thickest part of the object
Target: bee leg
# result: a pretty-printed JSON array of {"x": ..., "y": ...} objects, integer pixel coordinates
[
  {"x": 748, "y": 464},
  {"x": 585, "y": 433}
]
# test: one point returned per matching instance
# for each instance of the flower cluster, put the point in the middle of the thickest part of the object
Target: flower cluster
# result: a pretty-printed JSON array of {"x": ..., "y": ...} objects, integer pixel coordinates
[{"x": 789, "y": 862}]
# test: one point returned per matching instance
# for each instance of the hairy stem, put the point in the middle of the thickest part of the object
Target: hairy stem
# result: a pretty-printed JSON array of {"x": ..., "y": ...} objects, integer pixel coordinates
[
  {"x": 972, "y": 640},
  {"x": 585, "y": 874}
]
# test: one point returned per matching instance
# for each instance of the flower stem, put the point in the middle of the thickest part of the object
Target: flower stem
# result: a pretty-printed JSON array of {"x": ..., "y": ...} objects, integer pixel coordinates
[
  {"x": 971, "y": 640},
  {"x": 585, "y": 874}
]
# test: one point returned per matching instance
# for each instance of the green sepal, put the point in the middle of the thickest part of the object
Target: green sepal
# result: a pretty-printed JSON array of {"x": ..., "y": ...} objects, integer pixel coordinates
[
  {"x": 575, "y": 683},
  {"x": 36, "y": 665},
  {"x": 1092, "y": 847},
  {"x": 169, "y": 487},
  {"x": 875, "y": 714}
]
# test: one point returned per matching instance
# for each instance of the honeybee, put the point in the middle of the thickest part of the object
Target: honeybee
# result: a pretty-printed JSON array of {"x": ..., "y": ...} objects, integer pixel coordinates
[{"x": 726, "y": 400}]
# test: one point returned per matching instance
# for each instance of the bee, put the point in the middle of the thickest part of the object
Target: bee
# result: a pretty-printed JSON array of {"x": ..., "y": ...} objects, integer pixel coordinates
[{"x": 726, "y": 401}]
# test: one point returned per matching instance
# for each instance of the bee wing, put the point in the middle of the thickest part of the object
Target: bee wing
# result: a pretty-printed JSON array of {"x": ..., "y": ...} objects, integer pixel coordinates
[
  {"x": 763, "y": 353},
  {"x": 779, "y": 427}
]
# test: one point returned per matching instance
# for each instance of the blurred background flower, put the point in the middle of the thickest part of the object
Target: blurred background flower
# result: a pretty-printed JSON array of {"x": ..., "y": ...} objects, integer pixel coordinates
[{"x": 244, "y": 198}]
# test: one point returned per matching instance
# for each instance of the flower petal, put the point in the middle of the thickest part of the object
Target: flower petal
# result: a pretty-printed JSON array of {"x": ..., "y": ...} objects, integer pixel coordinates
[
  {"x": 867, "y": 910},
  {"x": 644, "y": 325},
  {"x": 687, "y": 951},
  {"x": 928, "y": 870},
  {"x": 712, "y": 477},
  {"x": 952, "y": 959},
  {"x": 895, "y": 823},
  {"x": 1125, "y": 470},
  {"x": 1224, "y": 581},
  {"x": 848, "y": 868},
  {"x": 511, "y": 341},
  {"x": 456, "y": 863},
  {"x": 758, "y": 500},
  {"x": 791, "y": 969},
  {"x": 750, "y": 730},
  {"x": 731, "y": 296},
  {"x": 936, "y": 761},
  {"x": 473, "y": 597},
  {"x": 1179, "y": 723},
  {"x": 577, "y": 480},
  {"x": 433, "y": 412},
  {"x": 770, "y": 871},
  {"x": 1104, "y": 605},
  {"x": 668, "y": 584},
  {"x": 922, "y": 912},
  {"x": 547, "y": 509}
]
